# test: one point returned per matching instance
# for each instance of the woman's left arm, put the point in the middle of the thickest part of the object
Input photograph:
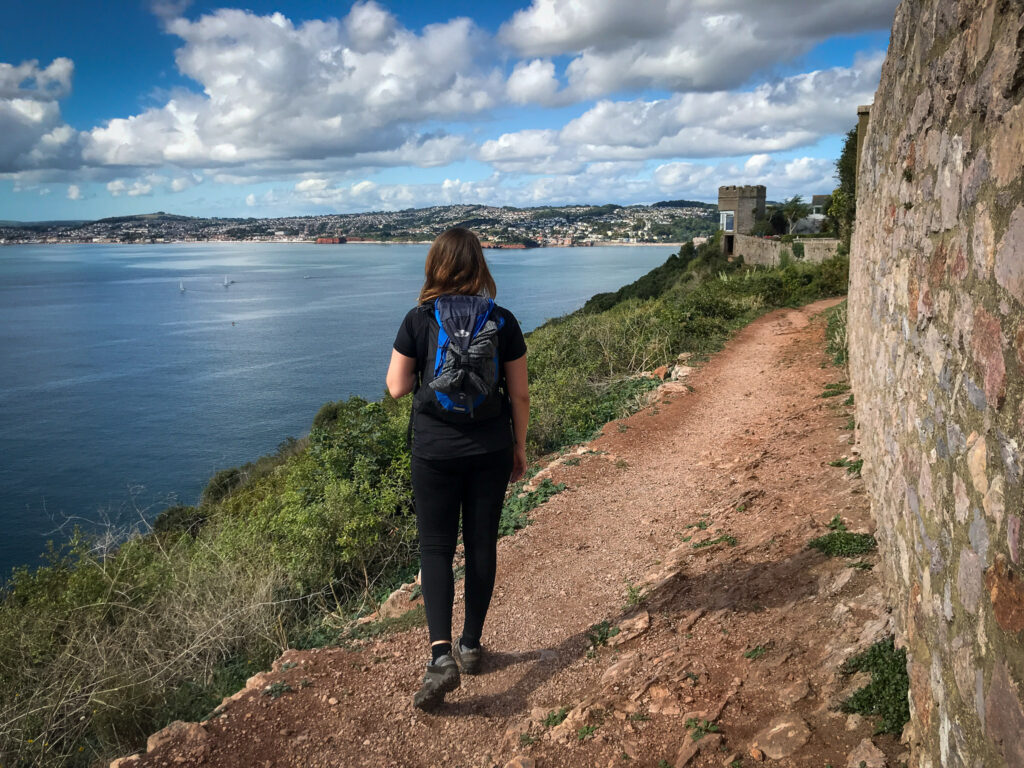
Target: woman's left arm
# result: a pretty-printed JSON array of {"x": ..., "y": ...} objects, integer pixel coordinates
[{"x": 401, "y": 378}]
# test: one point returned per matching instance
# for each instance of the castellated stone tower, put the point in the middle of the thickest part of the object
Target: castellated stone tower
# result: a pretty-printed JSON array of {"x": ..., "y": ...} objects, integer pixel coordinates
[{"x": 738, "y": 208}]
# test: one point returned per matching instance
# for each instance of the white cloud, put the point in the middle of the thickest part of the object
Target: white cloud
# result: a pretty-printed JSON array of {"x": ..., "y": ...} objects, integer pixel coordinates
[
  {"x": 801, "y": 176},
  {"x": 74, "y": 193},
  {"x": 28, "y": 81},
  {"x": 794, "y": 112},
  {"x": 181, "y": 183},
  {"x": 274, "y": 91},
  {"x": 312, "y": 185},
  {"x": 137, "y": 188},
  {"x": 533, "y": 81},
  {"x": 316, "y": 107},
  {"x": 34, "y": 133},
  {"x": 528, "y": 151},
  {"x": 678, "y": 45}
]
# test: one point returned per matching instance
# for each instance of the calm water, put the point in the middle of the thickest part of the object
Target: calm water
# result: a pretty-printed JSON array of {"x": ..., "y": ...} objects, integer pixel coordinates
[{"x": 120, "y": 394}]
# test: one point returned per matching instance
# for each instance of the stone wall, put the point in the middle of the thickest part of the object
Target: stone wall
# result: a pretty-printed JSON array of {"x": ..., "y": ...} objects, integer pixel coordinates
[
  {"x": 758, "y": 250},
  {"x": 937, "y": 362}
]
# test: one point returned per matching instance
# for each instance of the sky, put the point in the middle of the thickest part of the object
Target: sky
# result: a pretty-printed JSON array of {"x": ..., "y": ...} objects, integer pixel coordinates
[{"x": 294, "y": 107}]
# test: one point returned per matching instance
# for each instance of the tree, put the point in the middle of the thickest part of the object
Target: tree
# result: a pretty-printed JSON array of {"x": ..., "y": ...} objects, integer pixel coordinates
[
  {"x": 844, "y": 197},
  {"x": 795, "y": 209}
]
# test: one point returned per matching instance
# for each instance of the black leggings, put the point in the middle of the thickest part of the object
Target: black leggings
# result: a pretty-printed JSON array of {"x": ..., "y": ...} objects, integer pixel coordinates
[{"x": 476, "y": 484}]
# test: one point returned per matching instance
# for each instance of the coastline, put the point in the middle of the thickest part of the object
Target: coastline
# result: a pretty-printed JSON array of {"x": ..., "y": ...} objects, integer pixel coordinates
[{"x": 511, "y": 247}]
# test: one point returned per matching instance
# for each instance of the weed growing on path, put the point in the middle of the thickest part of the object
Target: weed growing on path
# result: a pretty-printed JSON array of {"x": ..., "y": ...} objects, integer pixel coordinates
[
  {"x": 634, "y": 594},
  {"x": 700, "y": 728},
  {"x": 582, "y": 734},
  {"x": 601, "y": 633},
  {"x": 886, "y": 695},
  {"x": 555, "y": 717},
  {"x": 852, "y": 467},
  {"x": 726, "y": 538},
  {"x": 408, "y": 620},
  {"x": 841, "y": 543},
  {"x": 514, "y": 512},
  {"x": 835, "y": 389},
  {"x": 756, "y": 652},
  {"x": 526, "y": 739},
  {"x": 277, "y": 690}
]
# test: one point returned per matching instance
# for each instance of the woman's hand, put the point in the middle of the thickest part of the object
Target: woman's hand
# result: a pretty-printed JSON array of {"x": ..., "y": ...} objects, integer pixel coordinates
[{"x": 518, "y": 464}]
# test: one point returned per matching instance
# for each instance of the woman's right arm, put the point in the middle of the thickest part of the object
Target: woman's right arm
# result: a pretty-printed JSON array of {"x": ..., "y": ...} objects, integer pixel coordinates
[
  {"x": 519, "y": 394},
  {"x": 401, "y": 378}
]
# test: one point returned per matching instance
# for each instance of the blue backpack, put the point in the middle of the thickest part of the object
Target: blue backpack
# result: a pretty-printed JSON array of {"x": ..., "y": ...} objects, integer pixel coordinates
[{"x": 462, "y": 380}]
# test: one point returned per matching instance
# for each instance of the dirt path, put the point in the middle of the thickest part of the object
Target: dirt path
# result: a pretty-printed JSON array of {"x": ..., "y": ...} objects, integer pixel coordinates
[{"x": 737, "y": 633}]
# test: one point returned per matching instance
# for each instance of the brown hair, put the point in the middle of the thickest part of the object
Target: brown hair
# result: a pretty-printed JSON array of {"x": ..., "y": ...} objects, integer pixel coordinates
[{"x": 455, "y": 264}]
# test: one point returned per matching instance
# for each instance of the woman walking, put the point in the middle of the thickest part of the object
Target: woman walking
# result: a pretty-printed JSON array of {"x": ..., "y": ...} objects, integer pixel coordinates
[{"x": 464, "y": 358}]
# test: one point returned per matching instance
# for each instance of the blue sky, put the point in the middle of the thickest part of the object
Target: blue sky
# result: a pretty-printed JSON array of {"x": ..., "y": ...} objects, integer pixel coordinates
[{"x": 280, "y": 108}]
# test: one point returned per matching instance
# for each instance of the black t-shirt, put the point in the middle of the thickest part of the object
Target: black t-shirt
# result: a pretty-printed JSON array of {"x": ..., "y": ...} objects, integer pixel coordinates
[{"x": 437, "y": 439}]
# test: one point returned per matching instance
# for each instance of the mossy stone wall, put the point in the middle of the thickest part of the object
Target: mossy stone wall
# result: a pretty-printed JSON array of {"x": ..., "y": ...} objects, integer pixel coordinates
[{"x": 936, "y": 330}]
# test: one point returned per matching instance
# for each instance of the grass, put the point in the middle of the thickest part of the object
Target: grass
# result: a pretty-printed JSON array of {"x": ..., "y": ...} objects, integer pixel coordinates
[
  {"x": 526, "y": 739},
  {"x": 756, "y": 652},
  {"x": 724, "y": 538},
  {"x": 885, "y": 697},
  {"x": 835, "y": 334},
  {"x": 639, "y": 717},
  {"x": 555, "y": 717},
  {"x": 863, "y": 565},
  {"x": 584, "y": 733}
]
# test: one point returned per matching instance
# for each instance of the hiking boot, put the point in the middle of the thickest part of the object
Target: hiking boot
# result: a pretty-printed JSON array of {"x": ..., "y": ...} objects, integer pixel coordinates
[
  {"x": 469, "y": 658},
  {"x": 441, "y": 677}
]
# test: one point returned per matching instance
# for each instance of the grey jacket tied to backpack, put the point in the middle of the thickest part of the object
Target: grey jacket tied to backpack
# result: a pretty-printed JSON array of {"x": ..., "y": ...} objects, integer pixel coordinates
[{"x": 465, "y": 368}]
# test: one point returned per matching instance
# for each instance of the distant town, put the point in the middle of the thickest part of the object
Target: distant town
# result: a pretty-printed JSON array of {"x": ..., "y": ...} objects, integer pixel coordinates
[{"x": 671, "y": 221}]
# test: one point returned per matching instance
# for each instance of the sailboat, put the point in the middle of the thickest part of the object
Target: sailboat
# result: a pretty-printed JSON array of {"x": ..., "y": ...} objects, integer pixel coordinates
[
  {"x": 227, "y": 282},
  {"x": 181, "y": 286}
]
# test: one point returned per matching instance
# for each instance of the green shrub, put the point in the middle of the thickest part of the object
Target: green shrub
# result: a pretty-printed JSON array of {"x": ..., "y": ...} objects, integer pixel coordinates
[{"x": 179, "y": 519}]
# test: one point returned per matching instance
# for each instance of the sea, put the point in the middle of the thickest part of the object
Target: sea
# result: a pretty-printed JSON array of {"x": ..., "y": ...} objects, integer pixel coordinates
[{"x": 129, "y": 374}]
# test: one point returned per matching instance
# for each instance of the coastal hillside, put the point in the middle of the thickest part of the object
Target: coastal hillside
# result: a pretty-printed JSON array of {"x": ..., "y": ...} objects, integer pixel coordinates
[
  {"x": 111, "y": 641},
  {"x": 668, "y": 221},
  {"x": 702, "y": 592}
]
